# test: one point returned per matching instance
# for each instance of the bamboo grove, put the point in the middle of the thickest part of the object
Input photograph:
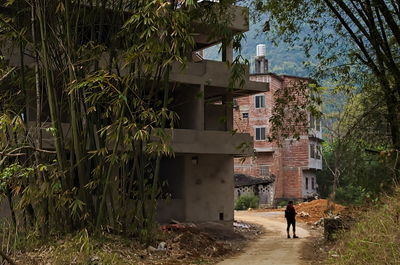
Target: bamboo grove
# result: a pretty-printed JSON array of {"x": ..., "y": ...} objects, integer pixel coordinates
[{"x": 84, "y": 100}]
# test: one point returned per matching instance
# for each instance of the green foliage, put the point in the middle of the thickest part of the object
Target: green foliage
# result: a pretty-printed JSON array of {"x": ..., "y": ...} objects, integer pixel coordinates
[
  {"x": 105, "y": 71},
  {"x": 349, "y": 39},
  {"x": 354, "y": 158},
  {"x": 246, "y": 201},
  {"x": 362, "y": 175},
  {"x": 12, "y": 176},
  {"x": 290, "y": 113},
  {"x": 282, "y": 203},
  {"x": 350, "y": 194},
  {"x": 374, "y": 239}
]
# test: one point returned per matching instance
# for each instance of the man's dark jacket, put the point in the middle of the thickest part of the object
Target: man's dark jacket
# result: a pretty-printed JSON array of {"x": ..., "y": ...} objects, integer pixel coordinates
[{"x": 290, "y": 212}]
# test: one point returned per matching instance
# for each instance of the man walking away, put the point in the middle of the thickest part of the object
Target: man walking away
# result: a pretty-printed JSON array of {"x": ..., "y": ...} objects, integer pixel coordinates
[{"x": 290, "y": 215}]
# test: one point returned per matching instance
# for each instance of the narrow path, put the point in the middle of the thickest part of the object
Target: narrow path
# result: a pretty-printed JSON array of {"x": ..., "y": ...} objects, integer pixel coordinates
[{"x": 272, "y": 248}]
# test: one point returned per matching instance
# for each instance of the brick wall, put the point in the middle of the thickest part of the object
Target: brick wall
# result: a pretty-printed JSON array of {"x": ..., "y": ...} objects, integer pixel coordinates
[
  {"x": 286, "y": 162},
  {"x": 292, "y": 183},
  {"x": 296, "y": 153}
]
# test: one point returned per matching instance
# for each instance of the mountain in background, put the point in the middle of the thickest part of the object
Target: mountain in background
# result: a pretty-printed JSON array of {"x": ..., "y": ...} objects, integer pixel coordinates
[{"x": 283, "y": 59}]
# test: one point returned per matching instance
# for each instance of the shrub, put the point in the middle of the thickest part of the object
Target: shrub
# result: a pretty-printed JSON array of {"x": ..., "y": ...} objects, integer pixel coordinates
[
  {"x": 351, "y": 195},
  {"x": 282, "y": 203},
  {"x": 246, "y": 201}
]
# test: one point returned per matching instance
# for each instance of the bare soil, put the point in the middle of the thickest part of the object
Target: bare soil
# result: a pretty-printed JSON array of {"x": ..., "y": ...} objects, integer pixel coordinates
[
  {"x": 273, "y": 247},
  {"x": 317, "y": 209},
  {"x": 265, "y": 242}
]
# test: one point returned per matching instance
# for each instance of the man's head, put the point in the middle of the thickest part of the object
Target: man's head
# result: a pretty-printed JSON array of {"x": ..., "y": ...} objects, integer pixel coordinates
[{"x": 290, "y": 202}]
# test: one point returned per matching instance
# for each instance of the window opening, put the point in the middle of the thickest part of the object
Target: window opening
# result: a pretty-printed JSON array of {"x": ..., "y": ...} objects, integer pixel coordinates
[
  {"x": 260, "y": 101},
  {"x": 264, "y": 170},
  {"x": 318, "y": 152},
  {"x": 312, "y": 122},
  {"x": 260, "y": 133},
  {"x": 312, "y": 150}
]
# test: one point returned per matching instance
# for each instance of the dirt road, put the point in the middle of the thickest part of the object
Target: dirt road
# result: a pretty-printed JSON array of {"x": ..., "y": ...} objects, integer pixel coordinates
[{"x": 272, "y": 248}]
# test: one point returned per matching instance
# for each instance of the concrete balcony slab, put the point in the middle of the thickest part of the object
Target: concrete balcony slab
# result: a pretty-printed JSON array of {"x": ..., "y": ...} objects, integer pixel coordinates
[
  {"x": 214, "y": 73},
  {"x": 315, "y": 163},
  {"x": 211, "y": 142},
  {"x": 237, "y": 18},
  {"x": 183, "y": 141}
]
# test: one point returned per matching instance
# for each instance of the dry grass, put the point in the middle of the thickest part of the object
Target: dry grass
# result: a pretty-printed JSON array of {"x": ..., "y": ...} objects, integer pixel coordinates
[
  {"x": 82, "y": 249},
  {"x": 375, "y": 239},
  {"x": 185, "y": 246}
]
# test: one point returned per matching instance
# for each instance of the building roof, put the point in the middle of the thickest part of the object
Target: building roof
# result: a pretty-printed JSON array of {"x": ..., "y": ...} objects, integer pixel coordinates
[
  {"x": 282, "y": 77},
  {"x": 246, "y": 180}
]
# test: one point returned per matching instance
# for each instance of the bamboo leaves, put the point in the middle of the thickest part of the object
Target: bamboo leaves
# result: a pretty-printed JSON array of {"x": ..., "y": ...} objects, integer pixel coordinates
[{"x": 102, "y": 87}]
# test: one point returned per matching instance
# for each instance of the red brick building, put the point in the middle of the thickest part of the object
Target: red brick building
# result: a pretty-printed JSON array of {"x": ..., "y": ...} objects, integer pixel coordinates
[{"x": 294, "y": 163}]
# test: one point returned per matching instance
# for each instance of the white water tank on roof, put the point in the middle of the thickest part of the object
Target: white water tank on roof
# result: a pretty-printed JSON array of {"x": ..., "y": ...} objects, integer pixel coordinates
[{"x": 260, "y": 50}]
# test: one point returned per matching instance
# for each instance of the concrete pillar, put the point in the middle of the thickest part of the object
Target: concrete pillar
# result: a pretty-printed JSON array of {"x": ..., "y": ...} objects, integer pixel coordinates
[
  {"x": 228, "y": 103},
  {"x": 200, "y": 108},
  {"x": 30, "y": 105},
  {"x": 209, "y": 188},
  {"x": 227, "y": 52}
]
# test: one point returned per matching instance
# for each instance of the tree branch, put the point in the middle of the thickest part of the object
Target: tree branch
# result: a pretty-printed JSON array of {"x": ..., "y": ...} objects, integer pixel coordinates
[
  {"x": 357, "y": 40},
  {"x": 351, "y": 15},
  {"x": 12, "y": 152},
  {"x": 393, "y": 25},
  {"x": 396, "y": 8}
]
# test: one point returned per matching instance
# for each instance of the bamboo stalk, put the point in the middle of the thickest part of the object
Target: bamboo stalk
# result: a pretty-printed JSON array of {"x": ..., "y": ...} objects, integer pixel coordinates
[
  {"x": 52, "y": 100},
  {"x": 77, "y": 139},
  {"x": 110, "y": 168}
]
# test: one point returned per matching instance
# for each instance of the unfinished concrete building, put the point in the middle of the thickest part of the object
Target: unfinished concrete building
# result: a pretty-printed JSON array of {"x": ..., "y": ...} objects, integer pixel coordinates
[
  {"x": 294, "y": 164},
  {"x": 200, "y": 175}
]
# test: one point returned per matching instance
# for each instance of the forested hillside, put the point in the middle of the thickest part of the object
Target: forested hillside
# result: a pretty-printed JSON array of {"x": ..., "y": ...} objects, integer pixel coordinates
[{"x": 283, "y": 58}]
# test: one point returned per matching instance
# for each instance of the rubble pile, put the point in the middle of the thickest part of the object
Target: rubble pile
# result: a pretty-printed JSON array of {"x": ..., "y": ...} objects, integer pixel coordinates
[
  {"x": 191, "y": 242},
  {"x": 335, "y": 224},
  {"x": 248, "y": 230},
  {"x": 183, "y": 244},
  {"x": 243, "y": 227},
  {"x": 313, "y": 211}
]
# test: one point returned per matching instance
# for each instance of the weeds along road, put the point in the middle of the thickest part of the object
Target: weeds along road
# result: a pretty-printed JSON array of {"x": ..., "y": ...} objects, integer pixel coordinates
[{"x": 273, "y": 247}]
